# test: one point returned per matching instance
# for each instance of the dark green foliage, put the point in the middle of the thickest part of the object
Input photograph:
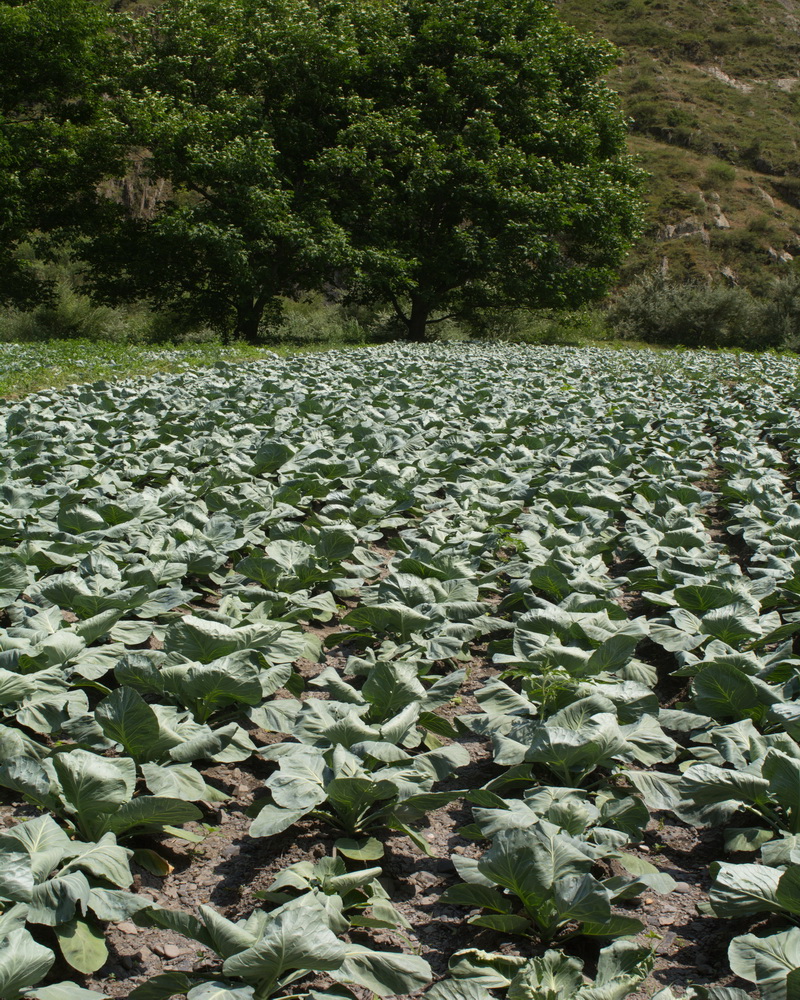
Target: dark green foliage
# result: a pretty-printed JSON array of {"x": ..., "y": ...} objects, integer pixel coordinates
[
  {"x": 54, "y": 54},
  {"x": 691, "y": 314},
  {"x": 490, "y": 168},
  {"x": 441, "y": 157},
  {"x": 788, "y": 187},
  {"x": 782, "y": 312},
  {"x": 234, "y": 103}
]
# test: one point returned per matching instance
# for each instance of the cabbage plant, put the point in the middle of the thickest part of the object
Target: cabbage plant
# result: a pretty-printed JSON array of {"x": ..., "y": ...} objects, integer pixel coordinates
[
  {"x": 342, "y": 788},
  {"x": 358, "y": 894},
  {"x": 537, "y": 882},
  {"x": 267, "y": 952},
  {"x": 621, "y": 967},
  {"x": 55, "y": 882},
  {"x": 94, "y": 794}
]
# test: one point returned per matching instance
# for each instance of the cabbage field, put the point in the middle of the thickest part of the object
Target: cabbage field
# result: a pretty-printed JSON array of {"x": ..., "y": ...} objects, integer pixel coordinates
[{"x": 418, "y": 671}]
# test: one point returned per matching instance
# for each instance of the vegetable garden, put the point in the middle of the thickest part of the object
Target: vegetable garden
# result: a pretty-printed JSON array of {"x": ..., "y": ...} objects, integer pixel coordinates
[{"x": 450, "y": 630}]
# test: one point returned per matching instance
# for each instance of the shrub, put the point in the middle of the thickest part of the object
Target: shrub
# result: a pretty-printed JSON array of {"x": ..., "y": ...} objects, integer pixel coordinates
[
  {"x": 647, "y": 114},
  {"x": 71, "y": 315},
  {"x": 782, "y": 312},
  {"x": 760, "y": 224},
  {"x": 788, "y": 188},
  {"x": 539, "y": 326},
  {"x": 315, "y": 321},
  {"x": 718, "y": 174},
  {"x": 682, "y": 117},
  {"x": 681, "y": 201},
  {"x": 658, "y": 311}
]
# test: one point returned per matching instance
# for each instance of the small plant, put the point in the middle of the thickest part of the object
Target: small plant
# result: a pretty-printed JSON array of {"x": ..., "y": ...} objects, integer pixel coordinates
[
  {"x": 359, "y": 894},
  {"x": 353, "y": 796},
  {"x": 621, "y": 967},
  {"x": 718, "y": 174},
  {"x": 538, "y": 882},
  {"x": 266, "y": 952}
]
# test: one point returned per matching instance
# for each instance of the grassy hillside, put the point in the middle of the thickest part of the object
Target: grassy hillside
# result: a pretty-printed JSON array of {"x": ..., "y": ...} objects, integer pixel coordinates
[{"x": 713, "y": 92}]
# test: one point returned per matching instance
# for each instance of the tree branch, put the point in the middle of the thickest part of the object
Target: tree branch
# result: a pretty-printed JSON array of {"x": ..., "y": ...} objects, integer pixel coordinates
[
  {"x": 209, "y": 198},
  {"x": 398, "y": 310}
]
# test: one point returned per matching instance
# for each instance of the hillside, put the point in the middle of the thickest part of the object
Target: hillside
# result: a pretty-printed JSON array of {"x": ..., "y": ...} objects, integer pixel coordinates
[{"x": 713, "y": 92}]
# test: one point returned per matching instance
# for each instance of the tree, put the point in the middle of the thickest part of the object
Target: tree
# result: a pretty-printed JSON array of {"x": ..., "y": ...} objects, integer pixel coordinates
[
  {"x": 487, "y": 165},
  {"x": 54, "y": 55},
  {"x": 233, "y": 103},
  {"x": 441, "y": 155}
]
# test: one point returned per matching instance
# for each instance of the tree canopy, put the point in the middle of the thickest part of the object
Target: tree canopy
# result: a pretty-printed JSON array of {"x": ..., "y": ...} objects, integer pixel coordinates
[
  {"x": 234, "y": 102},
  {"x": 55, "y": 55},
  {"x": 443, "y": 156},
  {"x": 488, "y": 167}
]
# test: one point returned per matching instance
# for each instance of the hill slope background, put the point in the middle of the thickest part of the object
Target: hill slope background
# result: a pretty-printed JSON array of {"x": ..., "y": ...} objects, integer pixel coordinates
[{"x": 713, "y": 93}]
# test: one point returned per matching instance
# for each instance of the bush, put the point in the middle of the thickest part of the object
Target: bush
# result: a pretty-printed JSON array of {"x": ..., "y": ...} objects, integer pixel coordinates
[
  {"x": 678, "y": 117},
  {"x": 760, "y": 224},
  {"x": 741, "y": 242},
  {"x": 539, "y": 326},
  {"x": 647, "y": 114},
  {"x": 67, "y": 313},
  {"x": 316, "y": 321},
  {"x": 697, "y": 315},
  {"x": 718, "y": 174},
  {"x": 681, "y": 201},
  {"x": 782, "y": 312},
  {"x": 71, "y": 315},
  {"x": 788, "y": 188}
]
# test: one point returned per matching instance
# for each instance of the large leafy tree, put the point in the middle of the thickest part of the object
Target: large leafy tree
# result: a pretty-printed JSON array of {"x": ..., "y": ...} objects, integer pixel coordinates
[
  {"x": 488, "y": 164},
  {"x": 234, "y": 101},
  {"x": 440, "y": 155},
  {"x": 55, "y": 55}
]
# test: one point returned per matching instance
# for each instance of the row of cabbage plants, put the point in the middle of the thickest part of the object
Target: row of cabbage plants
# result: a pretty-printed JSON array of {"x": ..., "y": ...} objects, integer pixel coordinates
[{"x": 170, "y": 548}]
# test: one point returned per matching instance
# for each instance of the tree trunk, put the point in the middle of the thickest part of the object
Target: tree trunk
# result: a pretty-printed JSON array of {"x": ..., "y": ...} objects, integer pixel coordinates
[
  {"x": 248, "y": 319},
  {"x": 418, "y": 320}
]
